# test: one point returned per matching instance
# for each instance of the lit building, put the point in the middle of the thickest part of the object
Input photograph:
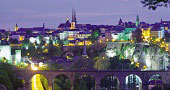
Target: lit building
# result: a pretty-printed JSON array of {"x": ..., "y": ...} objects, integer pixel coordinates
[
  {"x": 5, "y": 51},
  {"x": 157, "y": 32},
  {"x": 17, "y": 56},
  {"x": 146, "y": 34},
  {"x": 83, "y": 35},
  {"x": 18, "y": 37},
  {"x": 69, "y": 34},
  {"x": 64, "y": 26}
]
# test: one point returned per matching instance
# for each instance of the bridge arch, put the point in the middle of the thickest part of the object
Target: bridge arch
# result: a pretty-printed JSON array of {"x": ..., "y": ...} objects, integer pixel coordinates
[
  {"x": 97, "y": 75},
  {"x": 38, "y": 81},
  {"x": 84, "y": 82},
  {"x": 61, "y": 82},
  {"x": 155, "y": 81},
  {"x": 133, "y": 82},
  {"x": 109, "y": 82}
]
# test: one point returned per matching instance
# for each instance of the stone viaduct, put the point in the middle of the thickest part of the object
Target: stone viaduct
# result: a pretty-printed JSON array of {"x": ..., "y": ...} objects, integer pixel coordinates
[{"x": 98, "y": 76}]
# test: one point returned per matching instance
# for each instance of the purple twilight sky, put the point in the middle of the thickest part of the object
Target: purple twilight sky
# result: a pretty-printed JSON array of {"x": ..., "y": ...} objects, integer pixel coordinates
[{"x": 32, "y": 13}]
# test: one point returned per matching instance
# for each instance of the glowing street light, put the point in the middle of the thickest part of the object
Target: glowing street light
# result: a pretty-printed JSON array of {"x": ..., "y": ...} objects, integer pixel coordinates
[
  {"x": 40, "y": 64},
  {"x": 33, "y": 67}
]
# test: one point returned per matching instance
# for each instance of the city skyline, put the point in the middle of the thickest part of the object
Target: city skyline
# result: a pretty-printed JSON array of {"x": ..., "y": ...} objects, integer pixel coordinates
[{"x": 54, "y": 12}]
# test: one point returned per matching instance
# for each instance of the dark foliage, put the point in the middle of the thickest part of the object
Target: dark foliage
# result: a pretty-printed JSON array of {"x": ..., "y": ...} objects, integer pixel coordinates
[
  {"x": 83, "y": 63},
  {"x": 117, "y": 63},
  {"x": 63, "y": 82},
  {"x": 136, "y": 35},
  {"x": 167, "y": 36},
  {"x": 154, "y": 4},
  {"x": 8, "y": 78},
  {"x": 84, "y": 82},
  {"x": 109, "y": 82}
]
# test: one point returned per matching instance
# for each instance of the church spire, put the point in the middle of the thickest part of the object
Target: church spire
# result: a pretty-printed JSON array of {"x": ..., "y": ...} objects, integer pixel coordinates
[
  {"x": 16, "y": 27},
  {"x": 120, "y": 22},
  {"x": 74, "y": 16},
  {"x": 137, "y": 21},
  {"x": 161, "y": 21},
  {"x": 74, "y": 21},
  {"x": 43, "y": 25}
]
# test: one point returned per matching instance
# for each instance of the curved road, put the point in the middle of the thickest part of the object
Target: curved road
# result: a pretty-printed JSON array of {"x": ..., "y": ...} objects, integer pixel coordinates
[{"x": 36, "y": 83}]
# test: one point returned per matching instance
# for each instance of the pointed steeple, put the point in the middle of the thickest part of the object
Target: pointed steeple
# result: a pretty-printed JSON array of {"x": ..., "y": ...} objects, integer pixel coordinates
[
  {"x": 161, "y": 21},
  {"x": 137, "y": 21},
  {"x": 120, "y": 22},
  {"x": 43, "y": 25},
  {"x": 84, "y": 50},
  {"x": 74, "y": 16},
  {"x": 16, "y": 27},
  {"x": 74, "y": 21}
]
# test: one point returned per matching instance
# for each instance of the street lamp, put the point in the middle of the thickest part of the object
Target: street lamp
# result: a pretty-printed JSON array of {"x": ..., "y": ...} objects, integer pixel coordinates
[{"x": 33, "y": 67}]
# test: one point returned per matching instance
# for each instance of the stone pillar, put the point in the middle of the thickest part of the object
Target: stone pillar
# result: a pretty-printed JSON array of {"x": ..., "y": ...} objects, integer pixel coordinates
[
  {"x": 50, "y": 82},
  {"x": 121, "y": 86},
  {"x": 97, "y": 83},
  {"x": 50, "y": 86},
  {"x": 144, "y": 86},
  {"x": 145, "y": 83},
  {"x": 97, "y": 86},
  {"x": 121, "y": 82},
  {"x": 27, "y": 84},
  {"x": 72, "y": 85},
  {"x": 165, "y": 80},
  {"x": 71, "y": 77}
]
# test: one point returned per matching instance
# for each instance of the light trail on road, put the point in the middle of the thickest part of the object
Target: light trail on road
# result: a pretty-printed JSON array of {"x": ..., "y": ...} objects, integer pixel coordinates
[{"x": 36, "y": 83}]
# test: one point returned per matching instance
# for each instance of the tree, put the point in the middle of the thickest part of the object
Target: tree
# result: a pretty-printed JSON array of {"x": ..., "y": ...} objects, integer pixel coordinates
[
  {"x": 28, "y": 33},
  {"x": 109, "y": 82},
  {"x": 85, "y": 82},
  {"x": 54, "y": 51},
  {"x": 167, "y": 36},
  {"x": 136, "y": 35},
  {"x": 8, "y": 78},
  {"x": 6, "y": 82},
  {"x": 0, "y": 36},
  {"x": 102, "y": 63},
  {"x": 153, "y": 4},
  {"x": 95, "y": 34},
  {"x": 114, "y": 62},
  {"x": 62, "y": 82},
  {"x": 83, "y": 63}
]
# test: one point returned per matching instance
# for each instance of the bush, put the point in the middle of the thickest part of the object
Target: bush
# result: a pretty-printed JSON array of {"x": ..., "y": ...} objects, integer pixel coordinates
[
  {"x": 8, "y": 78},
  {"x": 6, "y": 81}
]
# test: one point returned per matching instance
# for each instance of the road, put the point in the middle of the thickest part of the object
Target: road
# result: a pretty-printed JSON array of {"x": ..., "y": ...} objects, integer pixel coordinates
[{"x": 36, "y": 83}]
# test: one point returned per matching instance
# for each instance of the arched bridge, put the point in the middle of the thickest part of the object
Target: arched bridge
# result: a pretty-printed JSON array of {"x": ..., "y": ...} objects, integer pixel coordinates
[{"x": 98, "y": 75}]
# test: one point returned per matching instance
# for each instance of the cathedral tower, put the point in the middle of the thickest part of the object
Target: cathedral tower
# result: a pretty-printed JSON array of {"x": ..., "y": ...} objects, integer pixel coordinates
[
  {"x": 16, "y": 27},
  {"x": 43, "y": 25},
  {"x": 137, "y": 21},
  {"x": 74, "y": 21},
  {"x": 120, "y": 22}
]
